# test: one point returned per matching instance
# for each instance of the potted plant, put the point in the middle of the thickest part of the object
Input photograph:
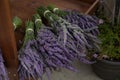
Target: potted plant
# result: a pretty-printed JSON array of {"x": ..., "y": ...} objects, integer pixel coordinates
[{"x": 107, "y": 66}]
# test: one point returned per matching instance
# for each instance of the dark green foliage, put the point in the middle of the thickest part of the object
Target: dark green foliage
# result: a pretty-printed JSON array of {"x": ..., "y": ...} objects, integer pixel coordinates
[{"x": 110, "y": 37}]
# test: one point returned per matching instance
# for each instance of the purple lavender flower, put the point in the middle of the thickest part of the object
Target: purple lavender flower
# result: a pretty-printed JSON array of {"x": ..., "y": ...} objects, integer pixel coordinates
[
  {"x": 87, "y": 39},
  {"x": 31, "y": 65},
  {"x": 3, "y": 71},
  {"x": 54, "y": 52},
  {"x": 86, "y": 22}
]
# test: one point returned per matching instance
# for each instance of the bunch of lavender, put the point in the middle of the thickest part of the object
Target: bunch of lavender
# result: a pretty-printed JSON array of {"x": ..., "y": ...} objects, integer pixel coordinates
[
  {"x": 79, "y": 36},
  {"x": 30, "y": 63},
  {"x": 86, "y": 22},
  {"x": 64, "y": 29},
  {"x": 54, "y": 55},
  {"x": 3, "y": 71}
]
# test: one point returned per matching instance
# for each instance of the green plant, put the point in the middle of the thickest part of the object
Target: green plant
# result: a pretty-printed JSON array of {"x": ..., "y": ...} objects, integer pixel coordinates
[
  {"x": 110, "y": 37},
  {"x": 110, "y": 33}
]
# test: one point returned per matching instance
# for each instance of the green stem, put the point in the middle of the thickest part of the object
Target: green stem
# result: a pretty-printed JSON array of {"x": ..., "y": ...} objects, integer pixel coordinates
[
  {"x": 44, "y": 12},
  {"x": 38, "y": 22},
  {"x": 52, "y": 18},
  {"x": 29, "y": 35},
  {"x": 56, "y": 10},
  {"x": 17, "y": 22}
]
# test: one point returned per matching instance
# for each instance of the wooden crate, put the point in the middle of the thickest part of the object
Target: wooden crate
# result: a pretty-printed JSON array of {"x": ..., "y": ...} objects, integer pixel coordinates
[{"x": 9, "y": 40}]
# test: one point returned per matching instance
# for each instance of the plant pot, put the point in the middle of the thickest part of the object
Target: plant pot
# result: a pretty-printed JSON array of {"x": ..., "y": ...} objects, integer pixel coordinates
[{"x": 107, "y": 70}]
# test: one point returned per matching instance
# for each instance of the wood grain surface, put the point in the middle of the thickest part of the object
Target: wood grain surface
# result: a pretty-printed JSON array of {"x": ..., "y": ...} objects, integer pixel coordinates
[{"x": 7, "y": 38}]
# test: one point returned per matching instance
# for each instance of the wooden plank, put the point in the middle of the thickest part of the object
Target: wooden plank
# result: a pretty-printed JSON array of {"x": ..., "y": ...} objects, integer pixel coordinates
[
  {"x": 92, "y": 7},
  {"x": 7, "y": 39}
]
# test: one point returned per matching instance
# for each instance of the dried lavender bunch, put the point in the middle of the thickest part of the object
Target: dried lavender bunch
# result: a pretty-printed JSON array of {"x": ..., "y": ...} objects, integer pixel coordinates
[
  {"x": 59, "y": 25},
  {"x": 30, "y": 63},
  {"x": 54, "y": 55},
  {"x": 73, "y": 31},
  {"x": 85, "y": 22},
  {"x": 3, "y": 71}
]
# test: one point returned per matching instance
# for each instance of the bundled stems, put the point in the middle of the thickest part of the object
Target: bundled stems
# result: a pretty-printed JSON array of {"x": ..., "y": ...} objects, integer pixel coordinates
[
  {"x": 69, "y": 29},
  {"x": 38, "y": 22},
  {"x": 52, "y": 18},
  {"x": 82, "y": 39},
  {"x": 57, "y": 11},
  {"x": 30, "y": 62},
  {"x": 29, "y": 33},
  {"x": 87, "y": 23},
  {"x": 54, "y": 54},
  {"x": 17, "y": 22}
]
